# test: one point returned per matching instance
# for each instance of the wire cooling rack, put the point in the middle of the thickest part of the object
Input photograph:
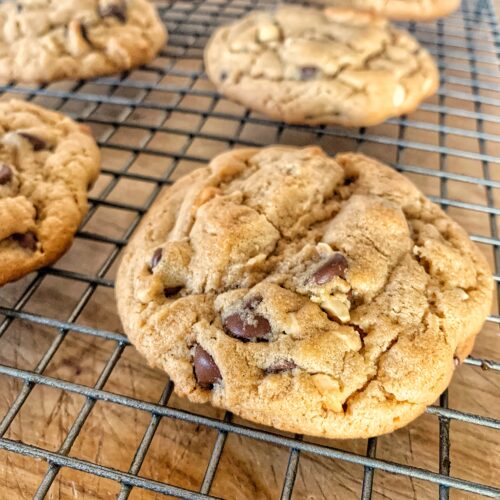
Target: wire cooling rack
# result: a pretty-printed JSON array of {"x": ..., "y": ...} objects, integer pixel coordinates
[{"x": 64, "y": 359}]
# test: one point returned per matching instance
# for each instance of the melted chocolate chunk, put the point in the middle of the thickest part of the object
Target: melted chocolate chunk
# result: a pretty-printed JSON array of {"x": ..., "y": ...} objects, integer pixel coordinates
[
  {"x": 336, "y": 265},
  {"x": 171, "y": 291},
  {"x": 256, "y": 328},
  {"x": 206, "y": 371},
  {"x": 308, "y": 72},
  {"x": 281, "y": 366},
  {"x": 118, "y": 10},
  {"x": 27, "y": 240},
  {"x": 5, "y": 174},
  {"x": 155, "y": 259},
  {"x": 37, "y": 143}
]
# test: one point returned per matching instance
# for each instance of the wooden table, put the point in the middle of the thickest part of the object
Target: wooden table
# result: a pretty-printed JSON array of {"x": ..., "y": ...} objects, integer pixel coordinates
[{"x": 180, "y": 451}]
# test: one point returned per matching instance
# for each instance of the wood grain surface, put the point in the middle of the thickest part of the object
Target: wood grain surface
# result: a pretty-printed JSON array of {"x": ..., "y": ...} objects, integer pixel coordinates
[{"x": 180, "y": 451}]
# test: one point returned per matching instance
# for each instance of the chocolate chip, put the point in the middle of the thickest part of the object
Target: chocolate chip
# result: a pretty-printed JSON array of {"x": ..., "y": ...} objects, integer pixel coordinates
[
  {"x": 308, "y": 72},
  {"x": 5, "y": 174},
  {"x": 349, "y": 180},
  {"x": 26, "y": 240},
  {"x": 336, "y": 265},
  {"x": 256, "y": 328},
  {"x": 281, "y": 366},
  {"x": 171, "y": 291},
  {"x": 118, "y": 10},
  {"x": 37, "y": 143},
  {"x": 206, "y": 371},
  {"x": 223, "y": 76},
  {"x": 155, "y": 259}
]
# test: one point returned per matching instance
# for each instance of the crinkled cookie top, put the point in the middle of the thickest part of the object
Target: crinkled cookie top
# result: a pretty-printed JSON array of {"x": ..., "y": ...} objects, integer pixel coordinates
[
  {"x": 46, "y": 40},
  {"x": 319, "y": 295},
  {"x": 304, "y": 65}
]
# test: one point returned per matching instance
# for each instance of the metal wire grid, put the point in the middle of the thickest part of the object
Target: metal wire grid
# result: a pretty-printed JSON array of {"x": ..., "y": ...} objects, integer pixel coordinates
[{"x": 470, "y": 38}]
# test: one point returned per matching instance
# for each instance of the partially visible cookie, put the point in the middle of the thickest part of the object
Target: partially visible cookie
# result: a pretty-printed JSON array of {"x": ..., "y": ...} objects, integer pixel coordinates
[
  {"x": 47, "y": 163},
  {"x": 45, "y": 40},
  {"x": 318, "y": 295},
  {"x": 308, "y": 66},
  {"x": 402, "y": 10}
]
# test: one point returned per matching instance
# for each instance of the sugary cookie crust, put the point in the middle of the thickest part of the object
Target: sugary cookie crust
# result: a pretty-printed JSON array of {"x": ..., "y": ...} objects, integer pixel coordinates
[
  {"x": 318, "y": 295},
  {"x": 46, "y": 40},
  {"x": 402, "y": 10},
  {"x": 47, "y": 163},
  {"x": 336, "y": 66}
]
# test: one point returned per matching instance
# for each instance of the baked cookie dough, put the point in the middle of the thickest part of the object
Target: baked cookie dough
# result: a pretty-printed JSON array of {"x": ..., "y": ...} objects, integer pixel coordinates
[
  {"x": 308, "y": 66},
  {"x": 324, "y": 296},
  {"x": 46, "y": 40},
  {"x": 47, "y": 163},
  {"x": 402, "y": 10}
]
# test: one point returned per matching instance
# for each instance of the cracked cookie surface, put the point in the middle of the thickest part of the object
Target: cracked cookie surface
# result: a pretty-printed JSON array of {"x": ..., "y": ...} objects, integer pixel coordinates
[
  {"x": 403, "y": 10},
  {"x": 337, "y": 66},
  {"x": 47, "y": 40},
  {"x": 47, "y": 163},
  {"x": 318, "y": 295}
]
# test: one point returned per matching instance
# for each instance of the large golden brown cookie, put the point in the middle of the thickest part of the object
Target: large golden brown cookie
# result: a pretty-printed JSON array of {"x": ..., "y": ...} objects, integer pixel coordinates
[
  {"x": 47, "y": 163},
  {"x": 318, "y": 295},
  {"x": 307, "y": 66},
  {"x": 46, "y": 40}
]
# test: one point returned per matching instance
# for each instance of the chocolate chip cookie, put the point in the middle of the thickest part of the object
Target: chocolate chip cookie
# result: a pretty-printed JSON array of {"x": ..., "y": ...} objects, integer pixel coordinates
[
  {"x": 49, "y": 40},
  {"x": 403, "y": 10},
  {"x": 318, "y": 295},
  {"x": 47, "y": 163},
  {"x": 308, "y": 66}
]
